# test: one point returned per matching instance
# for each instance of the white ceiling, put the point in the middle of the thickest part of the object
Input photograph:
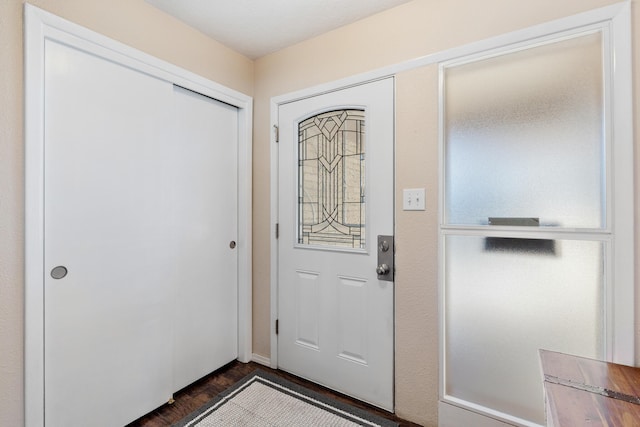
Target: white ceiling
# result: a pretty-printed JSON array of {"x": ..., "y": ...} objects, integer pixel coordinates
[{"x": 258, "y": 27}]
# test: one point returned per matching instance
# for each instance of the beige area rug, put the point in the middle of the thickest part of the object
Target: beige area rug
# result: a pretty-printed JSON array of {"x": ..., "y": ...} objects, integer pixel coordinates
[{"x": 265, "y": 400}]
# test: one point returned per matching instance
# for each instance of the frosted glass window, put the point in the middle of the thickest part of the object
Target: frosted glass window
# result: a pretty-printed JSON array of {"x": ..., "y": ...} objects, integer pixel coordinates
[
  {"x": 506, "y": 298},
  {"x": 524, "y": 136},
  {"x": 331, "y": 178}
]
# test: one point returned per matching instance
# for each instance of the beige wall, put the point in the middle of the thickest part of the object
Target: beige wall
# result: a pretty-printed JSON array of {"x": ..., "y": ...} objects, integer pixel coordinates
[
  {"x": 132, "y": 22},
  {"x": 409, "y": 31}
]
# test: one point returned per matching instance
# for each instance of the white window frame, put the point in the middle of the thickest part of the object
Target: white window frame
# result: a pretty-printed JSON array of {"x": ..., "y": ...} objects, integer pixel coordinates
[{"x": 618, "y": 233}]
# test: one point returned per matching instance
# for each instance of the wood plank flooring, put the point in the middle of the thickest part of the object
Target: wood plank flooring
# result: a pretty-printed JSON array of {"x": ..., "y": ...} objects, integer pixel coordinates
[{"x": 197, "y": 394}]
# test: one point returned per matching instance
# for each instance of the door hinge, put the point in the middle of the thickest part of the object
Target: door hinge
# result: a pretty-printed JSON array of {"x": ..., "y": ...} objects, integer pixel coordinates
[
  {"x": 277, "y": 230},
  {"x": 277, "y": 326},
  {"x": 276, "y": 130}
]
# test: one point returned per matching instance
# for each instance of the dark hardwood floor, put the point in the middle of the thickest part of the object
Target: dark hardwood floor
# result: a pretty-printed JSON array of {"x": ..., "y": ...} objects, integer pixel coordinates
[{"x": 197, "y": 394}]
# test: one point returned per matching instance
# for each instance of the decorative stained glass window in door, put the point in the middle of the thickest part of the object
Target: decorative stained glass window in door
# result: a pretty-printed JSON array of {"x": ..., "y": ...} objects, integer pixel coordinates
[{"x": 331, "y": 179}]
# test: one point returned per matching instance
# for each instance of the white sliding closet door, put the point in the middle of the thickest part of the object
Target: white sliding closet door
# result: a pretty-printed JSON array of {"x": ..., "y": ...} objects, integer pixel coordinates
[
  {"x": 205, "y": 264},
  {"x": 140, "y": 287},
  {"x": 107, "y": 332}
]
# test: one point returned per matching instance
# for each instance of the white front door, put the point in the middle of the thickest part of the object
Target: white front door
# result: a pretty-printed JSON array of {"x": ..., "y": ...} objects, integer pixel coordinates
[{"x": 336, "y": 189}]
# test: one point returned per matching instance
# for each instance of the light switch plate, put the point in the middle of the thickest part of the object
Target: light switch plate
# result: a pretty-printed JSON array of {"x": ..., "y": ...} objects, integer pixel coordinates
[{"x": 413, "y": 199}]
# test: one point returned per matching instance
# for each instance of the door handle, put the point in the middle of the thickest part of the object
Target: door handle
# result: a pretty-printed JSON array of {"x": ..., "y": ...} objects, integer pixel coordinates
[
  {"x": 385, "y": 258},
  {"x": 59, "y": 272},
  {"x": 383, "y": 269}
]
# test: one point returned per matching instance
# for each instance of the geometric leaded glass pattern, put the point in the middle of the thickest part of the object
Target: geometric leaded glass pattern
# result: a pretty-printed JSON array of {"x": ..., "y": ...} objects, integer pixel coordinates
[{"x": 331, "y": 179}]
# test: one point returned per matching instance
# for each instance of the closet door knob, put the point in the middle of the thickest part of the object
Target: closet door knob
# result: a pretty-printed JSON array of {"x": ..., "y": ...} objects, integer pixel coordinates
[
  {"x": 232, "y": 244},
  {"x": 59, "y": 272}
]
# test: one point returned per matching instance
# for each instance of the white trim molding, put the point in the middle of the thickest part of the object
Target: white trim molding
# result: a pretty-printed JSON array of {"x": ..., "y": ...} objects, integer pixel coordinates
[
  {"x": 262, "y": 360},
  {"x": 40, "y": 26}
]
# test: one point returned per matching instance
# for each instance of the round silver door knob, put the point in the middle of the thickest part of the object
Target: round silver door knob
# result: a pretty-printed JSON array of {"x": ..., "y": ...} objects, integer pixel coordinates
[{"x": 383, "y": 269}]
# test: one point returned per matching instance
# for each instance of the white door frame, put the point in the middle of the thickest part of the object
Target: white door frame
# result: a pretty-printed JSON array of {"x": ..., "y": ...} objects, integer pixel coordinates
[
  {"x": 40, "y": 26},
  {"x": 275, "y": 105}
]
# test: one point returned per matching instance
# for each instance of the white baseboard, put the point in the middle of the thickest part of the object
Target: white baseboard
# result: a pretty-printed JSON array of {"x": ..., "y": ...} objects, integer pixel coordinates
[{"x": 261, "y": 359}]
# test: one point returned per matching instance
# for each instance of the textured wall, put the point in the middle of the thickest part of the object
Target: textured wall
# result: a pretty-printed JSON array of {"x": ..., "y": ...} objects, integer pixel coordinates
[
  {"x": 416, "y": 246},
  {"x": 11, "y": 214}
]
